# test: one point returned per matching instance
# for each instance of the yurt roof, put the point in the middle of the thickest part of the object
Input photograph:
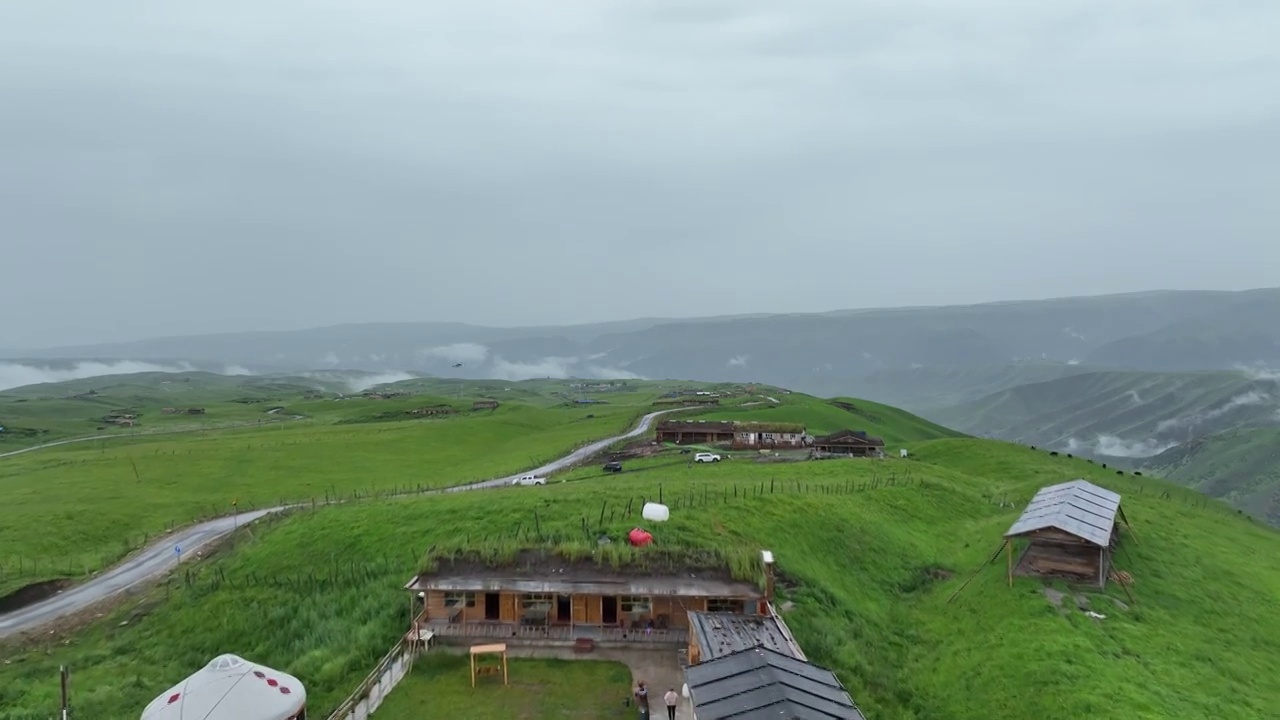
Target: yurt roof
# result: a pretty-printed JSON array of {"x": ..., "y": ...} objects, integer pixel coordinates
[{"x": 230, "y": 688}]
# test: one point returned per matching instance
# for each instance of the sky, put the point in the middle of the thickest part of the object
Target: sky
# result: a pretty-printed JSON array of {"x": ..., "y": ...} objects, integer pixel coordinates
[{"x": 181, "y": 168}]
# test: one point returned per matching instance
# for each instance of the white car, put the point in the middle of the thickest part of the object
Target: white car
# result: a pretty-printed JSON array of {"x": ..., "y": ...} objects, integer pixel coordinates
[
  {"x": 706, "y": 457},
  {"x": 529, "y": 480}
]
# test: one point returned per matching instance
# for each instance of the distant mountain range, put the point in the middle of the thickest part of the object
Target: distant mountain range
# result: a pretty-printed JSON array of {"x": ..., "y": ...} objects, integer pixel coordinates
[
  {"x": 1179, "y": 382},
  {"x": 876, "y": 353}
]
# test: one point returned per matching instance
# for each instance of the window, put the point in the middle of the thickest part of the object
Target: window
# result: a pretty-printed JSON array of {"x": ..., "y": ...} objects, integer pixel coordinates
[
  {"x": 766, "y": 436},
  {"x": 636, "y": 604},
  {"x": 459, "y": 598},
  {"x": 724, "y": 605},
  {"x": 533, "y": 600}
]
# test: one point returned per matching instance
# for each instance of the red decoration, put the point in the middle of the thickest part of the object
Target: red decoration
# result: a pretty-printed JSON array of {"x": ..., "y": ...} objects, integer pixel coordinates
[
  {"x": 284, "y": 690},
  {"x": 639, "y": 538},
  {"x": 173, "y": 698},
  {"x": 272, "y": 682}
]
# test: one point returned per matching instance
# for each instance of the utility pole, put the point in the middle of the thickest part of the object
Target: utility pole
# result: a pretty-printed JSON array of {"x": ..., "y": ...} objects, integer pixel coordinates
[{"x": 66, "y": 704}]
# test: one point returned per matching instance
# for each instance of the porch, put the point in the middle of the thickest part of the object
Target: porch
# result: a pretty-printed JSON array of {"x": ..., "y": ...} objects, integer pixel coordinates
[{"x": 508, "y": 632}]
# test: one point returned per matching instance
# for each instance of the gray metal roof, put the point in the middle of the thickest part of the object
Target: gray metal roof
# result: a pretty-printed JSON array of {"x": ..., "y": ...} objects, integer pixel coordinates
[
  {"x": 720, "y": 634},
  {"x": 760, "y": 683},
  {"x": 1078, "y": 507}
]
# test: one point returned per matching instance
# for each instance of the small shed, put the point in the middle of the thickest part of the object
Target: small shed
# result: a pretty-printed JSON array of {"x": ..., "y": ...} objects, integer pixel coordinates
[
  {"x": 484, "y": 405},
  {"x": 763, "y": 683},
  {"x": 231, "y": 688},
  {"x": 1070, "y": 530}
]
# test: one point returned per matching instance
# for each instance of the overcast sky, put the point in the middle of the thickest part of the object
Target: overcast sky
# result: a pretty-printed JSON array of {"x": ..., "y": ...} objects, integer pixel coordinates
[{"x": 185, "y": 167}]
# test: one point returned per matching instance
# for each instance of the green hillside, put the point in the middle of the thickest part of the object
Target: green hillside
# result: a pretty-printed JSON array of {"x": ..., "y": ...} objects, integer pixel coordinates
[
  {"x": 821, "y": 416},
  {"x": 928, "y": 388},
  {"x": 1242, "y": 466},
  {"x": 1206, "y": 430},
  {"x": 869, "y": 552}
]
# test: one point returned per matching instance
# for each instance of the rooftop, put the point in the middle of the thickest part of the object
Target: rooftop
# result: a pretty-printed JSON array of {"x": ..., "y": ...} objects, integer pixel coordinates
[
  {"x": 759, "y": 683},
  {"x": 848, "y": 436},
  {"x": 780, "y": 427},
  {"x": 723, "y": 426},
  {"x": 1078, "y": 507},
  {"x": 720, "y": 634}
]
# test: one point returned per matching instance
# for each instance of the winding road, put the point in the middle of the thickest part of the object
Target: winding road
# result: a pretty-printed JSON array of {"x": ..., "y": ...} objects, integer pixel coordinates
[{"x": 161, "y": 557}]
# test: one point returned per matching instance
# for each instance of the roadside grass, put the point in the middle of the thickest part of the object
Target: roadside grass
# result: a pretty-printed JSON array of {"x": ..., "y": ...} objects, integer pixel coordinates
[
  {"x": 74, "y": 509},
  {"x": 440, "y": 686},
  {"x": 867, "y": 565}
]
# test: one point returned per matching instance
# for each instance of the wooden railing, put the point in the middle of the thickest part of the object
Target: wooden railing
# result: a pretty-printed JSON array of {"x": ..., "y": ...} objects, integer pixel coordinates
[
  {"x": 786, "y": 633},
  {"x": 390, "y": 670}
]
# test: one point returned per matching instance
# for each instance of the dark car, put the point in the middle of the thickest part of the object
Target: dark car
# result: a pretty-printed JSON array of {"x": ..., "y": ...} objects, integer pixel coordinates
[{"x": 614, "y": 466}]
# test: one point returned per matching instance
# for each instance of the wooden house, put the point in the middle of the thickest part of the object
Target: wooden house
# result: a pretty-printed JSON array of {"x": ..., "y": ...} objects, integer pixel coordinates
[
  {"x": 695, "y": 432},
  {"x": 543, "y": 597},
  {"x": 768, "y": 435},
  {"x": 484, "y": 405},
  {"x": 854, "y": 443},
  {"x": 1070, "y": 532}
]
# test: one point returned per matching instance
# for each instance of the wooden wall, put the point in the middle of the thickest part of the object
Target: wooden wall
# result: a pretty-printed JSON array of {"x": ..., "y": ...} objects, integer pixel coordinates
[{"x": 586, "y": 609}]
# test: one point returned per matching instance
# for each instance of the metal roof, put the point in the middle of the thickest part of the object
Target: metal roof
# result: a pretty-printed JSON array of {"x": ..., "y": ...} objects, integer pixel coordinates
[
  {"x": 1078, "y": 507},
  {"x": 760, "y": 683},
  {"x": 720, "y": 634}
]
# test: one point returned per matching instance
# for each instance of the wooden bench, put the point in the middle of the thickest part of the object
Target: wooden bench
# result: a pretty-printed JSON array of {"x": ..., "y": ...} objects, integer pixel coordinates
[{"x": 584, "y": 645}]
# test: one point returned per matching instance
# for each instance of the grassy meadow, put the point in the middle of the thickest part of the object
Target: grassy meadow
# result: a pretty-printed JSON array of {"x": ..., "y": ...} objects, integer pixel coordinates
[
  {"x": 74, "y": 509},
  {"x": 868, "y": 552},
  {"x": 440, "y": 686}
]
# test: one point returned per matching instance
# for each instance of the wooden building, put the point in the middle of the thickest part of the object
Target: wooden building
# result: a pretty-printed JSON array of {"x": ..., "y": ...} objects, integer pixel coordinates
[
  {"x": 431, "y": 410},
  {"x": 768, "y": 435},
  {"x": 1070, "y": 533},
  {"x": 716, "y": 634},
  {"x": 855, "y": 443},
  {"x": 539, "y": 601},
  {"x": 484, "y": 405},
  {"x": 695, "y": 432}
]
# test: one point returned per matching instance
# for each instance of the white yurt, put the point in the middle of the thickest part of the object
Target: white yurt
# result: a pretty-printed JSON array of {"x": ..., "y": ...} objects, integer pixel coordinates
[{"x": 232, "y": 688}]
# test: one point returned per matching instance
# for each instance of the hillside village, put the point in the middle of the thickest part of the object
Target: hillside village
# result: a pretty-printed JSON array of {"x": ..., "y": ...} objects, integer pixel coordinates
[{"x": 670, "y": 567}]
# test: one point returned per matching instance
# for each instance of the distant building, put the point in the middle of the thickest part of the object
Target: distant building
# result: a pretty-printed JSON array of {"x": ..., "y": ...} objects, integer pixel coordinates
[
  {"x": 695, "y": 432},
  {"x": 484, "y": 405},
  {"x": 855, "y": 443},
  {"x": 768, "y": 435}
]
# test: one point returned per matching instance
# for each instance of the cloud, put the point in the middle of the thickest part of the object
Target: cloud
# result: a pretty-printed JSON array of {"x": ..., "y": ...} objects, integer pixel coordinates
[
  {"x": 14, "y": 375},
  {"x": 601, "y": 372},
  {"x": 738, "y": 361},
  {"x": 1113, "y": 446},
  {"x": 457, "y": 352},
  {"x": 1073, "y": 361},
  {"x": 236, "y": 370},
  {"x": 548, "y": 367},
  {"x": 1259, "y": 372},
  {"x": 558, "y": 368},
  {"x": 330, "y": 358},
  {"x": 360, "y": 383},
  {"x": 1135, "y": 397},
  {"x": 1072, "y": 333},
  {"x": 1253, "y": 397}
]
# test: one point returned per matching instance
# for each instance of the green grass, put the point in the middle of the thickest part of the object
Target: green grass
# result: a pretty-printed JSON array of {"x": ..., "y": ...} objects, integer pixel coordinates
[
  {"x": 440, "y": 686},
  {"x": 1241, "y": 466},
  {"x": 859, "y": 545},
  {"x": 74, "y": 509}
]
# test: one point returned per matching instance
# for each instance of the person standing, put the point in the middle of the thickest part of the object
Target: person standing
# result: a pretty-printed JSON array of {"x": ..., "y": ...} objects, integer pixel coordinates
[
  {"x": 672, "y": 700},
  {"x": 642, "y": 700}
]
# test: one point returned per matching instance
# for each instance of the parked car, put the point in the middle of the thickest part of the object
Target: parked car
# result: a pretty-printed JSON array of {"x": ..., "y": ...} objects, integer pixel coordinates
[
  {"x": 529, "y": 480},
  {"x": 614, "y": 466},
  {"x": 706, "y": 457}
]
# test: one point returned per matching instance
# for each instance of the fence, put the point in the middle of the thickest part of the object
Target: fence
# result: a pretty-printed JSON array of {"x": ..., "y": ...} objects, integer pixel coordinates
[{"x": 369, "y": 694}]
